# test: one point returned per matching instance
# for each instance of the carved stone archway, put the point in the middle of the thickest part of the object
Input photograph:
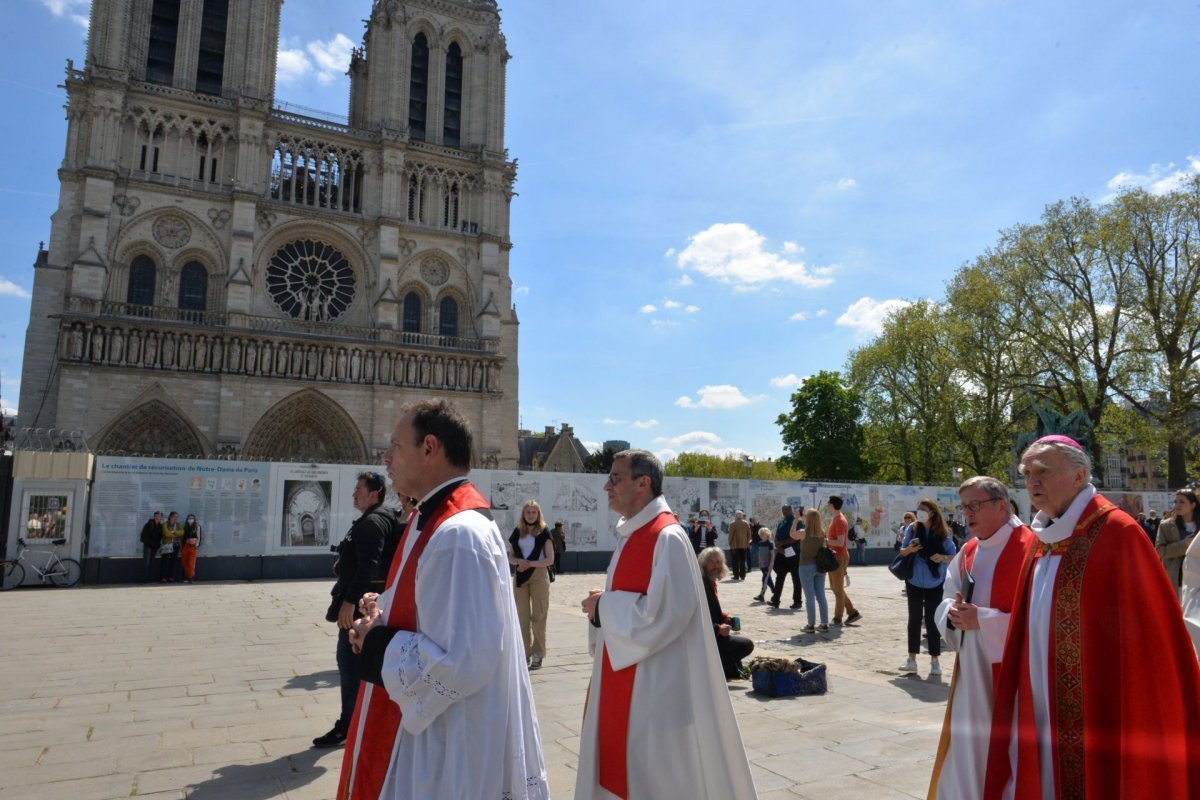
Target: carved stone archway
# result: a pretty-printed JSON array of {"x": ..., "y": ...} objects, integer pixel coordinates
[
  {"x": 152, "y": 429},
  {"x": 306, "y": 426}
]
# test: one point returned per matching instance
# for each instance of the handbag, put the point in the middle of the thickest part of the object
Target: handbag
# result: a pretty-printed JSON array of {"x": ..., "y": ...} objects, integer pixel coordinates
[
  {"x": 826, "y": 560},
  {"x": 902, "y": 566},
  {"x": 166, "y": 548}
]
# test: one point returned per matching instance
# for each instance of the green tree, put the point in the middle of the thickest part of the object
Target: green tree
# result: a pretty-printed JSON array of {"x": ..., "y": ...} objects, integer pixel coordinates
[
  {"x": 600, "y": 461},
  {"x": 703, "y": 465},
  {"x": 822, "y": 435}
]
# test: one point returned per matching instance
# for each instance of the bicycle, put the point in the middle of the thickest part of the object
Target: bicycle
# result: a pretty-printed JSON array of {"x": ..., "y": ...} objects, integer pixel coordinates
[{"x": 59, "y": 571}]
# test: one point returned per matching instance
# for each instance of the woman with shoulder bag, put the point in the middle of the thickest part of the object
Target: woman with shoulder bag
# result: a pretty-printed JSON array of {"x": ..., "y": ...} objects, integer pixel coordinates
[
  {"x": 532, "y": 553},
  {"x": 812, "y": 539},
  {"x": 929, "y": 539},
  {"x": 172, "y": 532}
]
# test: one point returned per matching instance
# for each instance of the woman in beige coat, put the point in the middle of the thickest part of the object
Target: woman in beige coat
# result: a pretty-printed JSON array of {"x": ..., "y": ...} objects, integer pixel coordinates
[{"x": 1175, "y": 534}]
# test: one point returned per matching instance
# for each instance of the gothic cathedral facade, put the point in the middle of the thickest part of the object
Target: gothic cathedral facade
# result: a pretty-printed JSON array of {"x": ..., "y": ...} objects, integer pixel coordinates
[{"x": 229, "y": 277}]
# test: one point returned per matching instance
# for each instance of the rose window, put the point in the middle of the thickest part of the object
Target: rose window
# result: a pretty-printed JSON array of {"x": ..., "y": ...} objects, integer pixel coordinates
[{"x": 310, "y": 281}]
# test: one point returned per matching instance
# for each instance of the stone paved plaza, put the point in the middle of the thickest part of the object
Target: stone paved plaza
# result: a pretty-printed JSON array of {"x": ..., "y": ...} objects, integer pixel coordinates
[{"x": 215, "y": 691}]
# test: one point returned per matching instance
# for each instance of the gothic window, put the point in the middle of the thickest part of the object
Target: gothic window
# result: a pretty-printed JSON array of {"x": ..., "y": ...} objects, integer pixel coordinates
[
  {"x": 450, "y": 207},
  {"x": 412, "y": 313},
  {"x": 141, "y": 282},
  {"x": 418, "y": 87},
  {"x": 448, "y": 317},
  {"x": 193, "y": 287},
  {"x": 313, "y": 174},
  {"x": 452, "y": 111},
  {"x": 310, "y": 281},
  {"x": 210, "y": 61},
  {"x": 164, "y": 31}
]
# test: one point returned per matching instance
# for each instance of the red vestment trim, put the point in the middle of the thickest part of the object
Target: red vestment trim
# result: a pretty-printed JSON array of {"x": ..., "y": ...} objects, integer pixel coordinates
[
  {"x": 1004, "y": 589},
  {"x": 376, "y": 721},
  {"x": 632, "y": 574}
]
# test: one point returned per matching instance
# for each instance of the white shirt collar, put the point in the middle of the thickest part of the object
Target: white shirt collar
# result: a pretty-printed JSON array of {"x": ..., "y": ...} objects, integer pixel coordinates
[
  {"x": 649, "y": 511},
  {"x": 435, "y": 489},
  {"x": 1064, "y": 526},
  {"x": 1000, "y": 537}
]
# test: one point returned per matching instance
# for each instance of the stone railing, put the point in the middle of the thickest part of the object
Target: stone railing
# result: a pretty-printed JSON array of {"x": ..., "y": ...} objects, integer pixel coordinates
[
  {"x": 281, "y": 326},
  {"x": 142, "y": 344}
]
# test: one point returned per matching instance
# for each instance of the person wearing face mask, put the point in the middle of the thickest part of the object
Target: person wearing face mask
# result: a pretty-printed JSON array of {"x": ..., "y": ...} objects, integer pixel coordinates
[
  {"x": 191, "y": 543},
  {"x": 930, "y": 539},
  {"x": 1176, "y": 534}
]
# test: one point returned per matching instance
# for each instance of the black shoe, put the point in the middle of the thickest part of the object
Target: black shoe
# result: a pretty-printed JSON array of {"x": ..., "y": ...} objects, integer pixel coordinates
[
  {"x": 774, "y": 603},
  {"x": 335, "y": 738},
  {"x": 855, "y": 617},
  {"x": 796, "y": 606},
  {"x": 758, "y": 597}
]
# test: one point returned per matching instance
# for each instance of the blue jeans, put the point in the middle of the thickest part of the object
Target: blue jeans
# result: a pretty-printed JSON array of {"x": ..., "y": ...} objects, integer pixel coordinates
[
  {"x": 813, "y": 582},
  {"x": 347, "y": 663}
]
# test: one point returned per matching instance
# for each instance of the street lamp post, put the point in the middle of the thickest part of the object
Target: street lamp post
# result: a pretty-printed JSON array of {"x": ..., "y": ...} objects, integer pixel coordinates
[{"x": 747, "y": 462}]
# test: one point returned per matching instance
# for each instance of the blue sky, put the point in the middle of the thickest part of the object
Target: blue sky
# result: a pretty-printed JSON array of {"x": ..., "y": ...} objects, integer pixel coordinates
[{"x": 713, "y": 205}]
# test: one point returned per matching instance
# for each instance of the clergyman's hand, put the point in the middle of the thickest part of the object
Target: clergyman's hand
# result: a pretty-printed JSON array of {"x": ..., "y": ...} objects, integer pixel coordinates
[
  {"x": 589, "y": 603},
  {"x": 965, "y": 616},
  {"x": 360, "y": 628}
]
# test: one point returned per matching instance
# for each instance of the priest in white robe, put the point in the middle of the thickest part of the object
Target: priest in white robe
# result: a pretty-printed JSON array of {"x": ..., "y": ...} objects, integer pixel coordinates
[
  {"x": 973, "y": 619},
  {"x": 659, "y": 722},
  {"x": 446, "y": 710}
]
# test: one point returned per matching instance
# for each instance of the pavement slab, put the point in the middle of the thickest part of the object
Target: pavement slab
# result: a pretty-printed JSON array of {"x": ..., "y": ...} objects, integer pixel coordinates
[{"x": 221, "y": 702}]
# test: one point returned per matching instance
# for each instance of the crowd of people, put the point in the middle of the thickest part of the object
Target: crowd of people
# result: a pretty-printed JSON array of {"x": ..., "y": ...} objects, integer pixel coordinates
[
  {"x": 441, "y": 619},
  {"x": 169, "y": 543}
]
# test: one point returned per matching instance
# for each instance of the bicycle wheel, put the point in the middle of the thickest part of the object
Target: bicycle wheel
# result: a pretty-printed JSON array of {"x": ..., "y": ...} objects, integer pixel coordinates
[
  {"x": 12, "y": 575},
  {"x": 67, "y": 573}
]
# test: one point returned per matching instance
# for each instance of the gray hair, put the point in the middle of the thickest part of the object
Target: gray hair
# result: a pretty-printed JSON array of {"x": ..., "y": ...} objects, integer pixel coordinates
[
  {"x": 994, "y": 488},
  {"x": 1075, "y": 457},
  {"x": 643, "y": 462},
  {"x": 703, "y": 558}
]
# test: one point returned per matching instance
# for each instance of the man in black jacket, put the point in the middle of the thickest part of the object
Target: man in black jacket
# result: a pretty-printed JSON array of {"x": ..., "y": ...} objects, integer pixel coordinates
[
  {"x": 151, "y": 540},
  {"x": 359, "y": 566}
]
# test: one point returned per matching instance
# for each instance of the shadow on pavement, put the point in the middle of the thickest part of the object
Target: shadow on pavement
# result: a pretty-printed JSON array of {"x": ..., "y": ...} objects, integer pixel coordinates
[
  {"x": 260, "y": 781},
  {"x": 927, "y": 690},
  {"x": 318, "y": 680}
]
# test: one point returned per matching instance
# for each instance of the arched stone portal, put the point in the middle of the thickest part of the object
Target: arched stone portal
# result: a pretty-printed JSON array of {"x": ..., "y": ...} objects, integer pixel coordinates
[
  {"x": 306, "y": 426},
  {"x": 152, "y": 429}
]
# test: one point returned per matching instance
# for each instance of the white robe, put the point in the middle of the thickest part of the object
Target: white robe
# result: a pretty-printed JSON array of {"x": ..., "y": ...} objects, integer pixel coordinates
[
  {"x": 1191, "y": 592},
  {"x": 1041, "y": 605},
  {"x": 469, "y": 730},
  {"x": 971, "y": 707},
  {"x": 683, "y": 739}
]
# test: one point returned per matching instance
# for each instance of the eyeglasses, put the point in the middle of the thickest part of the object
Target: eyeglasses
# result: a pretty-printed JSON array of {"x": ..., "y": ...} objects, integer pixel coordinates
[
  {"x": 978, "y": 504},
  {"x": 615, "y": 477}
]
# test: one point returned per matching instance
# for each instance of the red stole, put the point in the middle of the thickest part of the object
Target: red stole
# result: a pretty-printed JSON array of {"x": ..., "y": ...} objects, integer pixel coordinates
[
  {"x": 376, "y": 721},
  {"x": 632, "y": 574},
  {"x": 1124, "y": 706},
  {"x": 1004, "y": 588}
]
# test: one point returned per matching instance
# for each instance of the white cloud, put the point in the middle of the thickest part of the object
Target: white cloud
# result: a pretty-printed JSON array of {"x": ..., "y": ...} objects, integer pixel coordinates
[
  {"x": 866, "y": 314},
  {"x": 846, "y": 184},
  {"x": 291, "y": 66},
  {"x": 663, "y": 324},
  {"x": 1159, "y": 179},
  {"x": 326, "y": 60},
  {"x": 74, "y": 10},
  {"x": 332, "y": 58},
  {"x": 666, "y": 454},
  {"x": 792, "y": 247},
  {"x": 648, "y": 309},
  {"x": 521, "y": 291},
  {"x": 734, "y": 253},
  {"x": 692, "y": 309},
  {"x": 645, "y": 425},
  {"x": 686, "y": 280},
  {"x": 670, "y": 253},
  {"x": 789, "y": 381},
  {"x": 592, "y": 447},
  {"x": 689, "y": 439},
  {"x": 822, "y": 312},
  {"x": 799, "y": 316},
  {"x": 672, "y": 304},
  {"x": 11, "y": 289},
  {"x": 611, "y": 421},
  {"x": 719, "y": 396}
]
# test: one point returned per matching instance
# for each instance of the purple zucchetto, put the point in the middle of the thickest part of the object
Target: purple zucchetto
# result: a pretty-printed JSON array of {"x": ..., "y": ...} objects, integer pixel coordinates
[{"x": 1058, "y": 438}]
